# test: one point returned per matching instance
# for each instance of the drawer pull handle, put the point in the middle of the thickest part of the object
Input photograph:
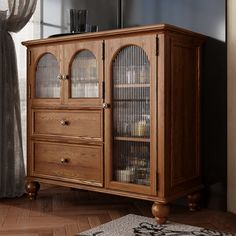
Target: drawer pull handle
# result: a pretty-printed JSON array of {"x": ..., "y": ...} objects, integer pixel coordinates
[
  {"x": 64, "y": 122},
  {"x": 105, "y": 105},
  {"x": 64, "y": 77},
  {"x": 64, "y": 160},
  {"x": 60, "y": 77}
]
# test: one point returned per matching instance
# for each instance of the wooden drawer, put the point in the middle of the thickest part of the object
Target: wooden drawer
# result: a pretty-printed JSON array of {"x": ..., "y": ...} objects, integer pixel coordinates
[
  {"x": 87, "y": 124},
  {"x": 68, "y": 162}
]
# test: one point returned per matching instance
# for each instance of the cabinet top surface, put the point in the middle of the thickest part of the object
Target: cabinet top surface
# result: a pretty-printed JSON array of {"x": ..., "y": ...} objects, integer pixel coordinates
[{"x": 116, "y": 33}]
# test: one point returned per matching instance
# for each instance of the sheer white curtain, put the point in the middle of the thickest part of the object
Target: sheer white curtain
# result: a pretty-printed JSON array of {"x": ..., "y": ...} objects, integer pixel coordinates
[{"x": 14, "y": 14}]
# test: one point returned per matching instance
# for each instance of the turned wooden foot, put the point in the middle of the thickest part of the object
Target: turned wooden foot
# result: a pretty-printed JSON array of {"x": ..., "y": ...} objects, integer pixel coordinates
[
  {"x": 193, "y": 201},
  {"x": 160, "y": 211},
  {"x": 32, "y": 189}
]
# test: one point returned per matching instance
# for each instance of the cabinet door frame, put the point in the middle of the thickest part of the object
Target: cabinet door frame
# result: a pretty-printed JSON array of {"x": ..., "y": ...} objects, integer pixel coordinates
[
  {"x": 112, "y": 47},
  {"x": 34, "y": 55},
  {"x": 70, "y": 51}
]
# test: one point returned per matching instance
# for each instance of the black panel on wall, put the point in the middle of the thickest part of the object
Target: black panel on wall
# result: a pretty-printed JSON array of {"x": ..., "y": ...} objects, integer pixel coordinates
[
  {"x": 203, "y": 16},
  {"x": 103, "y": 13}
]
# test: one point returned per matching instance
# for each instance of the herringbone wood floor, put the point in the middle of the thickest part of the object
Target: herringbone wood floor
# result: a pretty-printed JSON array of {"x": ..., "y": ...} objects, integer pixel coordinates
[{"x": 63, "y": 212}]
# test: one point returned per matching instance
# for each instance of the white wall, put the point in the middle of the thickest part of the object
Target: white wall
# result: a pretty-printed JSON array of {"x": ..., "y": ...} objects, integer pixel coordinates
[{"x": 231, "y": 106}]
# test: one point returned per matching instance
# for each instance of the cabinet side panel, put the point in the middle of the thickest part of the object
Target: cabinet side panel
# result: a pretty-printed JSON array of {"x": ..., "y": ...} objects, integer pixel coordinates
[{"x": 184, "y": 122}]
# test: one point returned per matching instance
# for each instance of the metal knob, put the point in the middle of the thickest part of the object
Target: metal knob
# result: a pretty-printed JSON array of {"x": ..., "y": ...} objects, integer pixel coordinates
[
  {"x": 64, "y": 77},
  {"x": 64, "y": 160},
  {"x": 64, "y": 122},
  {"x": 105, "y": 105},
  {"x": 60, "y": 77}
]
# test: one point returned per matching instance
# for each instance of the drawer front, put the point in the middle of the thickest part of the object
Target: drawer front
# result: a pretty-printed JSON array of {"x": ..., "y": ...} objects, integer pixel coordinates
[
  {"x": 87, "y": 124},
  {"x": 68, "y": 162}
]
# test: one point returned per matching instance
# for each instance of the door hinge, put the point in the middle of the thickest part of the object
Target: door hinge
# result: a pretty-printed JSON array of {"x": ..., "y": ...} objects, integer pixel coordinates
[
  {"x": 103, "y": 50},
  {"x": 157, "y": 181},
  {"x": 157, "y": 46},
  {"x": 103, "y": 90},
  {"x": 29, "y": 58},
  {"x": 29, "y": 91}
]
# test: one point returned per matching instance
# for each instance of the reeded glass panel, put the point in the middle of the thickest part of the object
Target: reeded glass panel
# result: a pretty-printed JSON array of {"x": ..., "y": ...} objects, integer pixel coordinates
[
  {"x": 84, "y": 79},
  {"x": 47, "y": 84},
  {"x": 131, "y": 116}
]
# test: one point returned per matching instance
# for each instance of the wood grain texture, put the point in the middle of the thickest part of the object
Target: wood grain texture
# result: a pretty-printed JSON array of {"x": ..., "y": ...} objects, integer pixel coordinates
[
  {"x": 182, "y": 114},
  {"x": 160, "y": 212},
  {"x": 68, "y": 123},
  {"x": 70, "y": 51},
  {"x": 116, "y": 33},
  {"x": 64, "y": 211},
  {"x": 68, "y": 162}
]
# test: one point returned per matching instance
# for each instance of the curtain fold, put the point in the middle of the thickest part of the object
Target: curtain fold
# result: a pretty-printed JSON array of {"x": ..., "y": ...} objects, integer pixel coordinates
[{"x": 14, "y": 14}]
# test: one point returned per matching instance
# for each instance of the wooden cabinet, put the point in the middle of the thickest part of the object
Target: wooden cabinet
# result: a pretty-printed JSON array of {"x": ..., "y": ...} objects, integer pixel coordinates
[
  {"x": 117, "y": 112},
  {"x": 66, "y": 74}
]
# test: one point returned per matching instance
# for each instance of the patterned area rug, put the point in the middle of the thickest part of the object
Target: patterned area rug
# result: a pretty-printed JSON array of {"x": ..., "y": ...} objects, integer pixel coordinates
[{"x": 134, "y": 225}]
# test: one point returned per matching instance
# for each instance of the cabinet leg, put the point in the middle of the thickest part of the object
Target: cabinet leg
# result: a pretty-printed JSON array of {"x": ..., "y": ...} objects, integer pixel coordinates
[
  {"x": 193, "y": 201},
  {"x": 32, "y": 189},
  {"x": 160, "y": 211}
]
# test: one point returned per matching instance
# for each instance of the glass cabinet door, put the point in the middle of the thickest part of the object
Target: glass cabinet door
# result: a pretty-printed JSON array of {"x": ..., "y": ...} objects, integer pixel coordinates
[
  {"x": 47, "y": 83},
  {"x": 84, "y": 76},
  {"x": 131, "y": 116}
]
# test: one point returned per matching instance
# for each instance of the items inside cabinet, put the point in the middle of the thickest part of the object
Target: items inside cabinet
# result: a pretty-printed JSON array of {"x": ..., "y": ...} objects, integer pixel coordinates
[
  {"x": 131, "y": 116},
  {"x": 131, "y": 162},
  {"x": 84, "y": 79},
  {"x": 46, "y": 79}
]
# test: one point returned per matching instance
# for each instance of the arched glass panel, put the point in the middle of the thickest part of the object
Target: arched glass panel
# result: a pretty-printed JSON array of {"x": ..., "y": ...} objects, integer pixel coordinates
[
  {"x": 47, "y": 84},
  {"x": 84, "y": 79},
  {"x": 131, "y": 116}
]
